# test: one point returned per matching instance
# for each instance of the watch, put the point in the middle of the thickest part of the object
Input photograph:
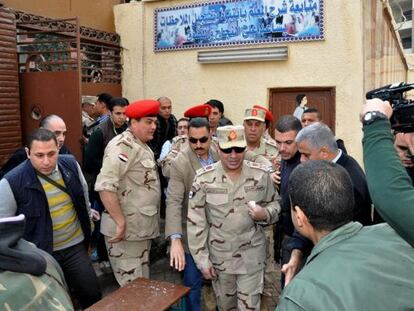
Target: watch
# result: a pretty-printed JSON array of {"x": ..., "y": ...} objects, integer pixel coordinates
[{"x": 371, "y": 116}]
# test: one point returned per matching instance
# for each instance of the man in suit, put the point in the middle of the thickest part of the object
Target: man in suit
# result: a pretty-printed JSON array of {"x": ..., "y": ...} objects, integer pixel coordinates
[{"x": 317, "y": 142}]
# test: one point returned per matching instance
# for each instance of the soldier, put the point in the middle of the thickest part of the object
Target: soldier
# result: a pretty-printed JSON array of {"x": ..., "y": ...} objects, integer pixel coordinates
[
  {"x": 197, "y": 154},
  {"x": 254, "y": 127},
  {"x": 129, "y": 188},
  {"x": 268, "y": 119},
  {"x": 30, "y": 279},
  {"x": 228, "y": 203}
]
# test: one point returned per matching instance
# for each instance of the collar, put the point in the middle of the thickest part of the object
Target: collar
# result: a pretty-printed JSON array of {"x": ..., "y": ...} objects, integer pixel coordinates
[
  {"x": 334, "y": 160},
  {"x": 334, "y": 237}
]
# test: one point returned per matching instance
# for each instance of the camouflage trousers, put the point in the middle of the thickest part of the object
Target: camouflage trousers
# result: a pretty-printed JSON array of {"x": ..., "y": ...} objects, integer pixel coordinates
[
  {"x": 129, "y": 259},
  {"x": 238, "y": 291},
  {"x": 272, "y": 274}
]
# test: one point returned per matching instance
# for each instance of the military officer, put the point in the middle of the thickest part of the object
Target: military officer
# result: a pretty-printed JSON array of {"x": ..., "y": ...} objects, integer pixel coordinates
[
  {"x": 268, "y": 119},
  {"x": 254, "y": 127},
  {"x": 129, "y": 187},
  {"x": 228, "y": 203}
]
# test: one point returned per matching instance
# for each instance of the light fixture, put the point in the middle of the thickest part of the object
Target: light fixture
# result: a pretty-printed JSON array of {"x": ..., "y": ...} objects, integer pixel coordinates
[{"x": 243, "y": 55}]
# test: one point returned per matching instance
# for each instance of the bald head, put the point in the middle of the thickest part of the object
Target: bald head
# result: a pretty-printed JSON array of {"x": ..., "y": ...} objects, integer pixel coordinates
[
  {"x": 165, "y": 107},
  {"x": 56, "y": 125}
]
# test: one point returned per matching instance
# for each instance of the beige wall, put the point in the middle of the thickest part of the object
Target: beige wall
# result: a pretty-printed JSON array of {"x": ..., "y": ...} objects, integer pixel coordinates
[
  {"x": 335, "y": 62},
  {"x": 92, "y": 13}
]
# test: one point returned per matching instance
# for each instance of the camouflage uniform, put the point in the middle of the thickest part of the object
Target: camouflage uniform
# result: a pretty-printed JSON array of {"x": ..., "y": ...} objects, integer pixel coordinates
[
  {"x": 223, "y": 235},
  {"x": 178, "y": 143},
  {"x": 129, "y": 170},
  {"x": 23, "y": 291},
  {"x": 272, "y": 290}
]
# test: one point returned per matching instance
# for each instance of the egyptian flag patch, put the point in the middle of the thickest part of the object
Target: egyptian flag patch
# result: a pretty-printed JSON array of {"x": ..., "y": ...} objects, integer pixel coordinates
[{"x": 123, "y": 157}]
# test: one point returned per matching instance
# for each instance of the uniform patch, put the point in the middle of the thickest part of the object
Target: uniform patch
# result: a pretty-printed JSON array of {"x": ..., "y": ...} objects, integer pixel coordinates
[
  {"x": 217, "y": 190},
  {"x": 123, "y": 157},
  {"x": 190, "y": 195},
  {"x": 253, "y": 188}
]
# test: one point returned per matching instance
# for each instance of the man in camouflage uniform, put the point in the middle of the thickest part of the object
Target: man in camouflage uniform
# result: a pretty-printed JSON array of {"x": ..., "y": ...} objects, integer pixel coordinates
[
  {"x": 129, "y": 187},
  {"x": 30, "y": 279},
  {"x": 254, "y": 126},
  {"x": 228, "y": 203}
]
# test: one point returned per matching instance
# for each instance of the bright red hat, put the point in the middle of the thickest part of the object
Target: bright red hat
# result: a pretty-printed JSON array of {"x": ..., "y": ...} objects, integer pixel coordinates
[
  {"x": 201, "y": 111},
  {"x": 142, "y": 108},
  {"x": 269, "y": 115}
]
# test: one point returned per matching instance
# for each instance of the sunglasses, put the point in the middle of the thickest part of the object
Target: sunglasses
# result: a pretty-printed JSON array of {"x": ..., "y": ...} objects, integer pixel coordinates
[
  {"x": 236, "y": 150},
  {"x": 202, "y": 140}
]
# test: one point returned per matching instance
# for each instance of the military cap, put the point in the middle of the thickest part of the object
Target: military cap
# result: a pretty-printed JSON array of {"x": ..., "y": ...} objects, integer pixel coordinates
[
  {"x": 201, "y": 111},
  {"x": 231, "y": 136},
  {"x": 91, "y": 100},
  {"x": 269, "y": 115},
  {"x": 254, "y": 114},
  {"x": 142, "y": 108}
]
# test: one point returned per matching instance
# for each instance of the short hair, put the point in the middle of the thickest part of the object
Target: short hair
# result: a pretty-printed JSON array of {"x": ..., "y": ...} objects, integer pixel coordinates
[
  {"x": 217, "y": 104},
  {"x": 323, "y": 191},
  {"x": 318, "y": 135},
  {"x": 117, "y": 102},
  {"x": 299, "y": 98},
  {"x": 182, "y": 119},
  {"x": 41, "y": 134},
  {"x": 44, "y": 122},
  {"x": 313, "y": 110},
  {"x": 199, "y": 123},
  {"x": 288, "y": 123},
  {"x": 105, "y": 98}
]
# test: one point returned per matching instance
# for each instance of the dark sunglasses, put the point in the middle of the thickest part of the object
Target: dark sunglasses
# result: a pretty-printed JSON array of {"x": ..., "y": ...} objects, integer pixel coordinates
[
  {"x": 202, "y": 140},
  {"x": 236, "y": 150}
]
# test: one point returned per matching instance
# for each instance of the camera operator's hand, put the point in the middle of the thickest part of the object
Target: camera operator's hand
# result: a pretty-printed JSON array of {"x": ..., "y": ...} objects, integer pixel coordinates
[{"x": 376, "y": 104}]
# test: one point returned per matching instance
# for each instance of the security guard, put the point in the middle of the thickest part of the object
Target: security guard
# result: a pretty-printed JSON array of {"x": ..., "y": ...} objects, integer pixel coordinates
[
  {"x": 129, "y": 187},
  {"x": 228, "y": 203}
]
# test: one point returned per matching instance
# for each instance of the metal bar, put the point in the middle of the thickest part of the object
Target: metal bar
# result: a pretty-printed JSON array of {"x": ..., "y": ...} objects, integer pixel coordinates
[
  {"x": 67, "y": 32},
  {"x": 100, "y": 46},
  {"x": 46, "y": 42},
  {"x": 45, "y": 52},
  {"x": 101, "y": 54},
  {"x": 47, "y": 21},
  {"x": 68, "y": 62},
  {"x": 102, "y": 69}
]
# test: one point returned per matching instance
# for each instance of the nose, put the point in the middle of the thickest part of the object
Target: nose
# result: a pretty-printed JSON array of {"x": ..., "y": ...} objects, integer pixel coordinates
[
  {"x": 198, "y": 144},
  {"x": 46, "y": 160}
]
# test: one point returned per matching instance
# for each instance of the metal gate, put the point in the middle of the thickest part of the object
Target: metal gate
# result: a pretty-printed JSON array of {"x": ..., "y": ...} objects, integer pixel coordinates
[{"x": 59, "y": 61}]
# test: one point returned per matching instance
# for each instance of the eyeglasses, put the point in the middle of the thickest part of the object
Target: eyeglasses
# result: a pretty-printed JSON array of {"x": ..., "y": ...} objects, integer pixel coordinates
[
  {"x": 236, "y": 150},
  {"x": 202, "y": 140}
]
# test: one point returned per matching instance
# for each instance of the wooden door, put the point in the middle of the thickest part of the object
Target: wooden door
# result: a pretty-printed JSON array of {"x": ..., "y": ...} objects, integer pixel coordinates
[{"x": 283, "y": 101}]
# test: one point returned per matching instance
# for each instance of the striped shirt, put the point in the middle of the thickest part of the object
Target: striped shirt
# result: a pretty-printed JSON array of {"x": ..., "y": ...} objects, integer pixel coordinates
[{"x": 67, "y": 230}]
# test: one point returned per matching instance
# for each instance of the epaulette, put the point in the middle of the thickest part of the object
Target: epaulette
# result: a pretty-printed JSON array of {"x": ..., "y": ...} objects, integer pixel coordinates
[
  {"x": 181, "y": 138},
  {"x": 258, "y": 166},
  {"x": 205, "y": 169},
  {"x": 271, "y": 143},
  {"x": 125, "y": 140}
]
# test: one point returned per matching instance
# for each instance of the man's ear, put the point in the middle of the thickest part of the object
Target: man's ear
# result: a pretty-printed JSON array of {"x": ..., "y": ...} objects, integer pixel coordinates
[
  {"x": 27, "y": 152},
  {"x": 324, "y": 151},
  {"x": 300, "y": 216}
]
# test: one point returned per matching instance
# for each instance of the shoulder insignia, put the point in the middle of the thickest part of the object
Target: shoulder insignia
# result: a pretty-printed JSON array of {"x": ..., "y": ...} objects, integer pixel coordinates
[
  {"x": 271, "y": 143},
  {"x": 123, "y": 157},
  {"x": 205, "y": 169},
  {"x": 181, "y": 138},
  {"x": 257, "y": 165}
]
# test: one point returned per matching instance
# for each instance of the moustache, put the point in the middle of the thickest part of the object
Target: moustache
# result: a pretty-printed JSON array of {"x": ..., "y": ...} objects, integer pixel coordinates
[{"x": 199, "y": 148}]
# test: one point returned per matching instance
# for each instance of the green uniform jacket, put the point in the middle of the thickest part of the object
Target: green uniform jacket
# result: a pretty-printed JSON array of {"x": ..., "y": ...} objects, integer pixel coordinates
[
  {"x": 389, "y": 185},
  {"x": 355, "y": 268}
]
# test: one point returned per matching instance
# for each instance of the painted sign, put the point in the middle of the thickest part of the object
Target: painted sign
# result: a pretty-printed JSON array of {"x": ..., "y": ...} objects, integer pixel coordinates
[{"x": 237, "y": 22}]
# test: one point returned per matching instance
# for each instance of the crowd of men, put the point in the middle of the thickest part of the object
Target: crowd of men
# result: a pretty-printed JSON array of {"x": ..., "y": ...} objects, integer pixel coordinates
[{"x": 246, "y": 215}]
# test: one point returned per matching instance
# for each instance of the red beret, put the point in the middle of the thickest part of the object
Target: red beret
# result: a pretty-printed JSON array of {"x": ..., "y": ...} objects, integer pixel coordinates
[
  {"x": 142, "y": 108},
  {"x": 203, "y": 110},
  {"x": 269, "y": 115}
]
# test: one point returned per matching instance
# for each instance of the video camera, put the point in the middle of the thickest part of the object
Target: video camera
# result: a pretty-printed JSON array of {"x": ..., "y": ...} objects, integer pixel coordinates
[{"x": 402, "y": 119}]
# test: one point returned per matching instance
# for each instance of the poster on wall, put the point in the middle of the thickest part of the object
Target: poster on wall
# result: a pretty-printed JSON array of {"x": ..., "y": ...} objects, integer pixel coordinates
[{"x": 237, "y": 22}]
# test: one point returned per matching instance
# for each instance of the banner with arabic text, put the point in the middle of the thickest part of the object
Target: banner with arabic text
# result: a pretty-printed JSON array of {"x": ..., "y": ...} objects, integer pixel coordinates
[{"x": 237, "y": 22}]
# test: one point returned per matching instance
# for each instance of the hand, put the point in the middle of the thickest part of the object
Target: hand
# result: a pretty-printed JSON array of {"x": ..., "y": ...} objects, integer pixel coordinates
[
  {"x": 120, "y": 232},
  {"x": 276, "y": 177},
  {"x": 291, "y": 268},
  {"x": 177, "y": 256},
  {"x": 256, "y": 212},
  {"x": 376, "y": 104},
  {"x": 95, "y": 215},
  {"x": 209, "y": 273}
]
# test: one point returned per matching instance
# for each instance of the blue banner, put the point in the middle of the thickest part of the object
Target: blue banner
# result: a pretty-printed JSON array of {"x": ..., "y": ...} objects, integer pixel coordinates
[{"x": 237, "y": 22}]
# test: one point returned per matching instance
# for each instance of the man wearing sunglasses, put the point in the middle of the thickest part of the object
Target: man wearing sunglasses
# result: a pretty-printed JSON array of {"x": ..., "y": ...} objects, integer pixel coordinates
[
  {"x": 194, "y": 154},
  {"x": 228, "y": 203},
  {"x": 255, "y": 128}
]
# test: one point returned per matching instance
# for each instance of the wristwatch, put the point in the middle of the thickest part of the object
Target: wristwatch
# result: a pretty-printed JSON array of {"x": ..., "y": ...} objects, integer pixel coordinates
[{"x": 371, "y": 116}]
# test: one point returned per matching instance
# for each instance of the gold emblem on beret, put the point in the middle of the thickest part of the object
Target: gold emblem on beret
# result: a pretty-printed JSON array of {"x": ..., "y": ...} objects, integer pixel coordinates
[{"x": 232, "y": 136}]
